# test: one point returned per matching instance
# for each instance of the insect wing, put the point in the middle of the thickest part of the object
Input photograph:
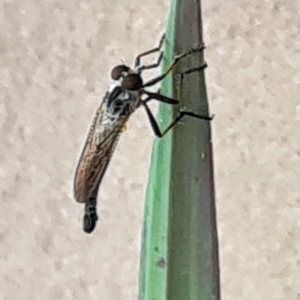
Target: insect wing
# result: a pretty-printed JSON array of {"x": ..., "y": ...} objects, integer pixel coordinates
[{"x": 99, "y": 147}]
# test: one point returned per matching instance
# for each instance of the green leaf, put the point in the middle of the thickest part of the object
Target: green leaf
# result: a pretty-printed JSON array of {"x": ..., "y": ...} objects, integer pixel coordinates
[{"x": 179, "y": 259}]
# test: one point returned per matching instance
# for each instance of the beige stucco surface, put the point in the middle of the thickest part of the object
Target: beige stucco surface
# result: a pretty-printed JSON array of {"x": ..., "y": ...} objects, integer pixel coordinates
[{"x": 54, "y": 61}]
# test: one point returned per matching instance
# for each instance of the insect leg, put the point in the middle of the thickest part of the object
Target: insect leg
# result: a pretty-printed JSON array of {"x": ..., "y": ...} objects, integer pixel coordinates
[
  {"x": 152, "y": 66},
  {"x": 176, "y": 60},
  {"x": 189, "y": 71},
  {"x": 138, "y": 58},
  {"x": 159, "y": 97},
  {"x": 182, "y": 113}
]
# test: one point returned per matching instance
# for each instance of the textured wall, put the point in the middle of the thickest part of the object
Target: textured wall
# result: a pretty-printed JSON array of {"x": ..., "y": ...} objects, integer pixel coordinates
[{"x": 55, "y": 57}]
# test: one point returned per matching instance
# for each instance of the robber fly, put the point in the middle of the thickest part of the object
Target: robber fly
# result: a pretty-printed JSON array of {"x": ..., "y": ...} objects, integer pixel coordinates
[{"x": 125, "y": 94}]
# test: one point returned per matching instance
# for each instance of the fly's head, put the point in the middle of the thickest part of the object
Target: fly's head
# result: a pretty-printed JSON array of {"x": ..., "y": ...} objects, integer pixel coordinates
[
  {"x": 119, "y": 72},
  {"x": 124, "y": 93},
  {"x": 90, "y": 218},
  {"x": 129, "y": 80}
]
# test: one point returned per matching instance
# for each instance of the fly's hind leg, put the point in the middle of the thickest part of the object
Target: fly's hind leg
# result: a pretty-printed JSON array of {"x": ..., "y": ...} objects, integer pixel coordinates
[{"x": 158, "y": 132}]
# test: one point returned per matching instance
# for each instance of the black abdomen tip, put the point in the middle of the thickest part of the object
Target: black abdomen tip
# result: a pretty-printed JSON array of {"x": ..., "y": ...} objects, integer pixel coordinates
[
  {"x": 90, "y": 216},
  {"x": 89, "y": 222}
]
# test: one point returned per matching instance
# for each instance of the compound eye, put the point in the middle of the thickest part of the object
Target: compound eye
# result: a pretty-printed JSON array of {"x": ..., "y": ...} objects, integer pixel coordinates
[
  {"x": 132, "y": 82},
  {"x": 117, "y": 72}
]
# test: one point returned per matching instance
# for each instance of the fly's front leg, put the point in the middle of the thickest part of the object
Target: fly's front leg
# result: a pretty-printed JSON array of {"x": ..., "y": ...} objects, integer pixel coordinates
[
  {"x": 175, "y": 61},
  {"x": 140, "y": 67}
]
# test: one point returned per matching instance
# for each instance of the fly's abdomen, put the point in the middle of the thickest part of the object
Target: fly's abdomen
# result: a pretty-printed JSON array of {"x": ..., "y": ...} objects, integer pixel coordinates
[
  {"x": 93, "y": 164},
  {"x": 88, "y": 176}
]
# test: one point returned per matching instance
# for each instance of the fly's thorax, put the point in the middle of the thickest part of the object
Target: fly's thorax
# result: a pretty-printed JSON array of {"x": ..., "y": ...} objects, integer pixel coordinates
[
  {"x": 117, "y": 102},
  {"x": 135, "y": 97},
  {"x": 120, "y": 101}
]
